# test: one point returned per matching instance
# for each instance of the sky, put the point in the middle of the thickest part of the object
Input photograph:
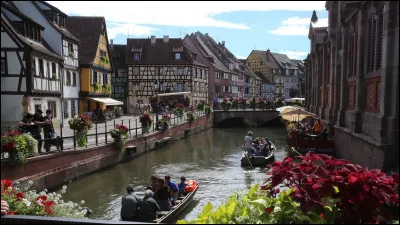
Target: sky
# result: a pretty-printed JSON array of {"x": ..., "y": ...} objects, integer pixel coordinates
[{"x": 281, "y": 27}]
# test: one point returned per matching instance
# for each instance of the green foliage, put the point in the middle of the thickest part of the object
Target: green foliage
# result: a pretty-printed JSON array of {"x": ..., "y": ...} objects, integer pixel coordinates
[
  {"x": 96, "y": 86},
  {"x": 256, "y": 207}
]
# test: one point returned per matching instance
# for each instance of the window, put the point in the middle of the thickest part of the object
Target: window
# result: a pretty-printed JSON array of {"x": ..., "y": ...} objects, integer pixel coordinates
[
  {"x": 41, "y": 69},
  {"x": 3, "y": 66},
  {"x": 38, "y": 106},
  {"x": 65, "y": 109},
  {"x": 177, "y": 55},
  {"x": 48, "y": 69},
  {"x": 226, "y": 76},
  {"x": 217, "y": 89},
  {"x": 52, "y": 105},
  {"x": 105, "y": 78},
  {"x": 218, "y": 75},
  {"x": 73, "y": 112},
  {"x": 73, "y": 79},
  {"x": 136, "y": 56},
  {"x": 70, "y": 49},
  {"x": 102, "y": 54},
  {"x": 180, "y": 71},
  {"x": 375, "y": 40},
  {"x": 54, "y": 70},
  {"x": 226, "y": 88},
  {"x": 68, "y": 78},
  {"x": 95, "y": 77},
  {"x": 181, "y": 87}
]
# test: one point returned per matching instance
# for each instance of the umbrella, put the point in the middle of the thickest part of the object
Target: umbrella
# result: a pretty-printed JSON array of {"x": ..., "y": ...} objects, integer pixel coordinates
[
  {"x": 296, "y": 115},
  {"x": 288, "y": 108}
]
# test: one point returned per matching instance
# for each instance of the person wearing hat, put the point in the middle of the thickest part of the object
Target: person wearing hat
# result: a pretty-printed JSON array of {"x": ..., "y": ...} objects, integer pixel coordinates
[
  {"x": 248, "y": 143},
  {"x": 130, "y": 205}
]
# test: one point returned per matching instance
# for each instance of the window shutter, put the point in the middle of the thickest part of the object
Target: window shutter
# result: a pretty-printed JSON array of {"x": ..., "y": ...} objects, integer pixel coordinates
[
  {"x": 350, "y": 52},
  {"x": 380, "y": 38}
]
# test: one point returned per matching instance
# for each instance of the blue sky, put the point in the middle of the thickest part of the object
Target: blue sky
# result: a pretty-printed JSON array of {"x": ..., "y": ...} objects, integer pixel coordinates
[{"x": 244, "y": 26}]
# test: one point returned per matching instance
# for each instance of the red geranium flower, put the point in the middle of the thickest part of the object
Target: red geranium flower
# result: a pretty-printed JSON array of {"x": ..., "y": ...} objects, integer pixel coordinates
[
  {"x": 42, "y": 197},
  {"x": 322, "y": 216},
  {"x": 19, "y": 195},
  {"x": 12, "y": 213},
  {"x": 268, "y": 210},
  {"x": 5, "y": 184}
]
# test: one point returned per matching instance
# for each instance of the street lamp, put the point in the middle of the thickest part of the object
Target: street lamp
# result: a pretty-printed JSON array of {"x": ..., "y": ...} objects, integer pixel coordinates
[{"x": 157, "y": 85}]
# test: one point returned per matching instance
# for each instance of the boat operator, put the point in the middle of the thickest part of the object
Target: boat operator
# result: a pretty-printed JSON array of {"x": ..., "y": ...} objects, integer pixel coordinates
[{"x": 247, "y": 145}]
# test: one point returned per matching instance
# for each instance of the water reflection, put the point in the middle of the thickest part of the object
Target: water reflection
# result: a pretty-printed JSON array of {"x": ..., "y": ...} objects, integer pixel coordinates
[{"x": 211, "y": 157}]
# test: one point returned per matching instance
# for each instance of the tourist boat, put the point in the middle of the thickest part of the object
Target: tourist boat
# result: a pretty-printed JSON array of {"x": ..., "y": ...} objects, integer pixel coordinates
[
  {"x": 181, "y": 204},
  {"x": 313, "y": 143},
  {"x": 258, "y": 160}
]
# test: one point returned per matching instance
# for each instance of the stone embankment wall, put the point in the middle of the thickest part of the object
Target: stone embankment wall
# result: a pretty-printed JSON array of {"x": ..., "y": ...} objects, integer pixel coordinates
[{"x": 51, "y": 171}]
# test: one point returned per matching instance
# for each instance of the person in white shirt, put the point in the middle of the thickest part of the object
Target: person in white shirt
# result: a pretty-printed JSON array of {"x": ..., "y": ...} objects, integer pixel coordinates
[{"x": 248, "y": 143}]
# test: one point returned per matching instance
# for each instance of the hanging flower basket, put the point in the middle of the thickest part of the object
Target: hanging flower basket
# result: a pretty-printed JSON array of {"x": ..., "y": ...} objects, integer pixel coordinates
[
  {"x": 81, "y": 124},
  {"x": 226, "y": 104},
  {"x": 120, "y": 134},
  {"x": 178, "y": 111},
  {"x": 146, "y": 120}
]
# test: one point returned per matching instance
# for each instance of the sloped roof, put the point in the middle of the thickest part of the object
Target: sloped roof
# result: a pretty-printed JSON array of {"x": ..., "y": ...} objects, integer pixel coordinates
[
  {"x": 88, "y": 30},
  {"x": 39, "y": 47},
  {"x": 118, "y": 55},
  {"x": 159, "y": 53},
  {"x": 283, "y": 61},
  {"x": 63, "y": 30},
  {"x": 271, "y": 63}
]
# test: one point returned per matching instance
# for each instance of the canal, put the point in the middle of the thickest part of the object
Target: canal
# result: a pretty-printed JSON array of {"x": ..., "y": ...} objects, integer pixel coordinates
[{"x": 211, "y": 157}]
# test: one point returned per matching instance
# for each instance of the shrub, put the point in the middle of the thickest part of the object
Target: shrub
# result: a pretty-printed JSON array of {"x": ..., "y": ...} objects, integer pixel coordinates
[{"x": 19, "y": 146}]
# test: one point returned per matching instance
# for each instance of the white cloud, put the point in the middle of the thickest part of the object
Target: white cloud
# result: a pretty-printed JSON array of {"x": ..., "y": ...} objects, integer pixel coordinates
[
  {"x": 294, "y": 55},
  {"x": 241, "y": 57},
  {"x": 132, "y": 14},
  {"x": 296, "y": 26},
  {"x": 114, "y": 29}
]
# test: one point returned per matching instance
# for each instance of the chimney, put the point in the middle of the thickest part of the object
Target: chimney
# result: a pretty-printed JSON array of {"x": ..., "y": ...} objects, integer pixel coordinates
[
  {"x": 268, "y": 52},
  {"x": 223, "y": 44},
  {"x": 111, "y": 44},
  {"x": 166, "y": 38},
  {"x": 153, "y": 40}
]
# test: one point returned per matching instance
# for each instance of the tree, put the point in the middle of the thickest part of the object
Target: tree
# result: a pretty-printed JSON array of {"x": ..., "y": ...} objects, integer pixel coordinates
[{"x": 293, "y": 92}]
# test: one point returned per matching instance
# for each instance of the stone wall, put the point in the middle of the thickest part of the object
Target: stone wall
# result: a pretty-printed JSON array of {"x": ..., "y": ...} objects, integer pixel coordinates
[{"x": 51, "y": 171}]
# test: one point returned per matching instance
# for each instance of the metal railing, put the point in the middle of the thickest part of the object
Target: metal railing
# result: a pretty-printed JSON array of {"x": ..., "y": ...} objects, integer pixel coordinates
[
  {"x": 99, "y": 134},
  {"x": 19, "y": 219}
]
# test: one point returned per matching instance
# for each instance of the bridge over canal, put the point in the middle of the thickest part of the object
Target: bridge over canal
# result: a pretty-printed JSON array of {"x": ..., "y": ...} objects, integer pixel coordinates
[{"x": 250, "y": 117}]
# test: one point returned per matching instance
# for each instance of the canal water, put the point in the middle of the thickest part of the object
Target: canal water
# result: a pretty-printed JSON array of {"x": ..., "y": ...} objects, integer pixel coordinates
[{"x": 211, "y": 157}]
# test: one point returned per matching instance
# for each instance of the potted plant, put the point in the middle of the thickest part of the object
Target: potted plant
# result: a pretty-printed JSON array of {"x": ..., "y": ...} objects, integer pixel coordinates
[
  {"x": 108, "y": 87},
  {"x": 120, "y": 134},
  {"x": 226, "y": 104},
  {"x": 235, "y": 103},
  {"x": 81, "y": 124},
  {"x": 200, "y": 105},
  {"x": 164, "y": 122},
  {"x": 261, "y": 104},
  {"x": 244, "y": 103},
  {"x": 178, "y": 111},
  {"x": 208, "y": 110},
  {"x": 96, "y": 86},
  {"x": 190, "y": 115},
  {"x": 146, "y": 121},
  {"x": 19, "y": 147}
]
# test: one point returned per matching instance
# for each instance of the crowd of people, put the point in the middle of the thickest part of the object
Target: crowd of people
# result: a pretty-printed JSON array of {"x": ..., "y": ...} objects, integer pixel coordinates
[
  {"x": 33, "y": 123},
  {"x": 305, "y": 131},
  {"x": 161, "y": 195},
  {"x": 258, "y": 146}
]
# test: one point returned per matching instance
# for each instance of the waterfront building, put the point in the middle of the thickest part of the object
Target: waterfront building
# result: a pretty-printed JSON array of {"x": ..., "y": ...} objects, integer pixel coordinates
[
  {"x": 30, "y": 69},
  {"x": 290, "y": 71},
  {"x": 94, "y": 62},
  {"x": 195, "y": 42},
  {"x": 352, "y": 79},
  {"x": 163, "y": 65},
  {"x": 63, "y": 43},
  {"x": 301, "y": 76},
  {"x": 119, "y": 78}
]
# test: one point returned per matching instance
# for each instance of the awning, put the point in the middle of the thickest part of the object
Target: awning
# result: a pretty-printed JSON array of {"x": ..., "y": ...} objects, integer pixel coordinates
[
  {"x": 173, "y": 93},
  {"x": 107, "y": 101}
]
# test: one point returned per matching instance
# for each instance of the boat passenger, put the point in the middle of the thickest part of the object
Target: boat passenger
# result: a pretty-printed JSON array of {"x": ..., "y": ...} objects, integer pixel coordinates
[
  {"x": 148, "y": 207},
  {"x": 153, "y": 183},
  {"x": 130, "y": 205},
  {"x": 248, "y": 143},
  {"x": 181, "y": 186},
  {"x": 174, "y": 189},
  {"x": 162, "y": 195}
]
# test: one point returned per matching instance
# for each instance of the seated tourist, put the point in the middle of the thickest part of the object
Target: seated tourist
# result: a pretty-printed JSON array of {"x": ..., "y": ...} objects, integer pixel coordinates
[
  {"x": 148, "y": 207},
  {"x": 318, "y": 127},
  {"x": 163, "y": 195},
  {"x": 130, "y": 205},
  {"x": 181, "y": 186},
  {"x": 173, "y": 187}
]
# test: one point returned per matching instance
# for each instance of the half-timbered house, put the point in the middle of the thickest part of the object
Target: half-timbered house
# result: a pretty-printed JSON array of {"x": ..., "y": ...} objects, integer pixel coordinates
[
  {"x": 163, "y": 65},
  {"x": 64, "y": 44},
  {"x": 30, "y": 70},
  {"x": 119, "y": 78},
  {"x": 94, "y": 61},
  {"x": 352, "y": 80}
]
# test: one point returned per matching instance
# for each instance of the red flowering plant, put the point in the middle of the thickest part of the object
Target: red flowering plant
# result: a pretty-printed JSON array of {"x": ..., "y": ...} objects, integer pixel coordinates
[
  {"x": 337, "y": 190},
  {"x": 178, "y": 111},
  {"x": 18, "y": 146},
  {"x": 190, "y": 114},
  {"x": 146, "y": 120},
  {"x": 244, "y": 103},
  {"x": 235, "y": 103},
  {"x": 120, "y": 132},
  {"x": 226, "y": 104},
  {"x": 200, "y": 105},
  {"x": 80, "y": 123},
  {"x": 261, "y": 104},
  {"x": 164, "y": 122},
  {"x": 23, "y": 201}
]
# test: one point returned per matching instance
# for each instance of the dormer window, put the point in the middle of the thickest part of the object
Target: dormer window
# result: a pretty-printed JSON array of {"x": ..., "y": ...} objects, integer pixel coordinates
[
  {"x": 177, "y": 55},
  {"x": 136, "y": 56}
]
